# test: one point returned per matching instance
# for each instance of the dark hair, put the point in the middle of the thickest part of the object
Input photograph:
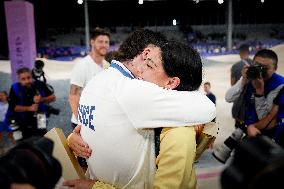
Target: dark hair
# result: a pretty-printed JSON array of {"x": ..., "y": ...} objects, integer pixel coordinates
[
  {"x": 99, "y": 31},
  {"x": 23, "y": 70},
  {"x": 244, "y": 48},
  {"x": 207, "y": 83},
  {"x": 111, "y": 56},
  {"x": 182, "y": 61},
  {"x": 39, "y": 64},
  {"x": 4, "y": 92},
  {"x": 267, "y": 53},
  {"x": 137, "y": 42}
]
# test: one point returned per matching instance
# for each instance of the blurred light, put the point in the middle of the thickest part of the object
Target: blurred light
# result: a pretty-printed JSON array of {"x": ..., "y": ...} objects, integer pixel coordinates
[
  {"x": 80, "y": 2},
  {"x": 174, "y": 22},
  {"x": 220, "y": 1},
  {"x": 140, "y": 2},
  {"x": 262, "y": 1},
  {"x": 196, "y": 1}
]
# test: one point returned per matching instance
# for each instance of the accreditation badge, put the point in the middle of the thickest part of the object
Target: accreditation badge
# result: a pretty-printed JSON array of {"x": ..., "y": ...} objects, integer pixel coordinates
[{"x": 41, "y": 121}]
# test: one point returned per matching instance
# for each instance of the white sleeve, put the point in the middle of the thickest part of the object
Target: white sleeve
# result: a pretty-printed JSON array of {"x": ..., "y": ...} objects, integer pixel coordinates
[
  {"x": 234, "y": 92},
  {"x": 78, "y": 75},
  {"x": 150, "y": 106}
]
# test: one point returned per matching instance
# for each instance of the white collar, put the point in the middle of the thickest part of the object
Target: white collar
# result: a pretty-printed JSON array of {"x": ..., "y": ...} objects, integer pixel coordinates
[{"x": 123, "y": 67}]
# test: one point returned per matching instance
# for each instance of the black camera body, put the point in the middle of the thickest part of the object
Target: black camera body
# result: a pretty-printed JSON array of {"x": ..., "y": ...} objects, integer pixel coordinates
[
  {"x": 30, "y": 162},
  {"x": 256, "y": 71},
  {"x": 258, "y": 163}
]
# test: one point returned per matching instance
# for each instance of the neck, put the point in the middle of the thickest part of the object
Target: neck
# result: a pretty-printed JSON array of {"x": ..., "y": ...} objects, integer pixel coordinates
[
  {"x": 128, "y": 65},
  {"x": 97, "y": 58}
]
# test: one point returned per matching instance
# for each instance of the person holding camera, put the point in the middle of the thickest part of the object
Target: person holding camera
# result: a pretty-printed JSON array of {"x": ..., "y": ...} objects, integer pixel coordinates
[
  {"x": 258, "y": 87},
  {"x": 28, "y": 104}
]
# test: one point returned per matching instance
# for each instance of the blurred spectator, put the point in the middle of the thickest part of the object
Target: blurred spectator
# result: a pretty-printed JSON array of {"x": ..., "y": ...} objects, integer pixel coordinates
[
  {"x": 209, "y": 94},
  {"x": 88, "y": 67},
  {"x": 4, "y": 126},
  {"x": 28, "y": 104},
  {"x": 237, "y": 67}
]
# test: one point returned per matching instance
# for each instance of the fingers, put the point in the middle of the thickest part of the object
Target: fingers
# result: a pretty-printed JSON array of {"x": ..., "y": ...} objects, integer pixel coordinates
[
  {"x": 79, "y": 183},
  {"x": 82, "y": 151},
  {"x": 34, "y": 107},
  {"x": 77, "y": 129},
  {"x": 71, "y": 183},
  {"x": 245, "y": 69},
  {"x": 77, "y": 144},
  {"x": 252, "y": 131}
]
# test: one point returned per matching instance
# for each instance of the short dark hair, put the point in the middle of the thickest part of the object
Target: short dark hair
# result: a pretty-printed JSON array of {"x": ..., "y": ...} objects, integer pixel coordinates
[
  {"x": 23, "y": 70},
  {"x": 99, "y": 31},
  {"x": 4, "y": 92},
  {"x": 182, "y": 61},
  {"x": 267, "y": 53},
  {"x": 207, "y": 83},
  {"x": 137, "y": 42},
  {"x": 244, "y": 48}
]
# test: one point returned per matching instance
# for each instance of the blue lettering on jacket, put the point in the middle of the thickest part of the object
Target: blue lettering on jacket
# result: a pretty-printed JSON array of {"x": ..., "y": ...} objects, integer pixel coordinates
[{"x": 86, "y": 115}]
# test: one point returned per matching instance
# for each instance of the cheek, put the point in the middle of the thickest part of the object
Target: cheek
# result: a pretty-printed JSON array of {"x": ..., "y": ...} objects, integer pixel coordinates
[
  {"x": 148, "y": 76},
  {"x": 29, "y": 81},
  {"x": 270, "y": 72}
]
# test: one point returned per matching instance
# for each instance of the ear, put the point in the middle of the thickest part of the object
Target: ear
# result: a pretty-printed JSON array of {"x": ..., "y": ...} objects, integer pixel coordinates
[
  {"x": 173, "y": 83},
  {"x": 275, "y": 67},
  {"x": 92, "y": 42},
  {"x": 145, "y": 53}
]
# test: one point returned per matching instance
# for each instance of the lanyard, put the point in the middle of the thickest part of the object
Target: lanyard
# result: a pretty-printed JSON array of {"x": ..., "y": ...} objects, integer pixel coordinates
[{"x": 121, "y": 70}]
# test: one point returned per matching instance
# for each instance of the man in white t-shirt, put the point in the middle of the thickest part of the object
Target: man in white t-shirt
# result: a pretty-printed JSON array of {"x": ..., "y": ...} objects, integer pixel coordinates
[
  {"x": 124, "y": 151},
  {"x": 88, "y": 67}
]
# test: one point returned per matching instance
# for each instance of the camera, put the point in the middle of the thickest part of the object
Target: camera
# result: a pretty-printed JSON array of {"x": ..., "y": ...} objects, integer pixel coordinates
[
  {"x": 256, "y": 71},
  {"x": 223, "y": 151},
  {"x": 39, "y": 64},
  {"x": 30, "y": 162},
  {"x": 258, "y": 163}
]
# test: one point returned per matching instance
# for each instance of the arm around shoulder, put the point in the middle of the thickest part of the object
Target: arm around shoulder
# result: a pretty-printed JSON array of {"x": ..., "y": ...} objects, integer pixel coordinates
[{"x": 150, "y": 106}]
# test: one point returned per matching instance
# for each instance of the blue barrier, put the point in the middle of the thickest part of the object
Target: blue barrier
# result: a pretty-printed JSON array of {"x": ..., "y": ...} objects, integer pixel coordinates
[{"x": 204, "y": 48}]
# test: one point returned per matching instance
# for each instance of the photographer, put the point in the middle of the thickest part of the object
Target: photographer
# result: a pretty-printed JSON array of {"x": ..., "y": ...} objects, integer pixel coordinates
[
  {"x": 259, "y": 85},
  {"x": 27, "y": 105}
]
